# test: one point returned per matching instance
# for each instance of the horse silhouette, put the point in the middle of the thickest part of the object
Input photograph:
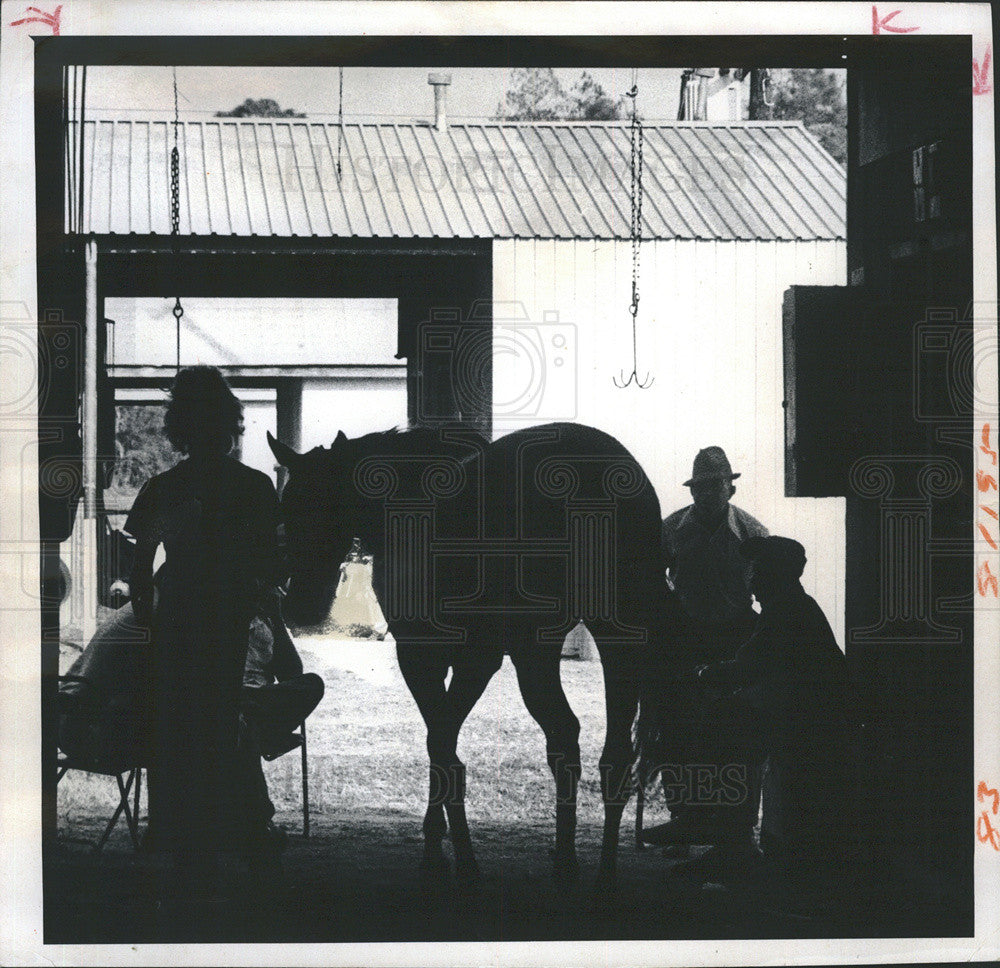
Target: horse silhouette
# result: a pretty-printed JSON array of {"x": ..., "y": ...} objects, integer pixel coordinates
[{"x": 480, "y": 549}]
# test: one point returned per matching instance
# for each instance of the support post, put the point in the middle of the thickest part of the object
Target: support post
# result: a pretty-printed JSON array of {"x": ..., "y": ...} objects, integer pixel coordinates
[
  {"x": 88, "y": 575},
  {"x": 288, "y": 419}
]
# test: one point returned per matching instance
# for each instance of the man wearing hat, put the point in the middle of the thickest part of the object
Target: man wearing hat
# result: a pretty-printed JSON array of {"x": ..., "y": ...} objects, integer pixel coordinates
[
  {"x": 701, "y": 546},
  {"x": 787, "y": 695},
  {"x": 710, "y": 580}
]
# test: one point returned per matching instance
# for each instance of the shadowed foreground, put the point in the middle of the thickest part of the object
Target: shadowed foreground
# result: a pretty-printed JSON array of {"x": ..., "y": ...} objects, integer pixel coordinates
[{"x": 356, "y": 877}]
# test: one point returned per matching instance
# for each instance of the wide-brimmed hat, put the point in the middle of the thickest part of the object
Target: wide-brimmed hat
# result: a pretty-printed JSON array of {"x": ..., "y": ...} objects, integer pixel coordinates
[
  {"x": 711, "y": 464},
  {"x": 784, "y": 554}
]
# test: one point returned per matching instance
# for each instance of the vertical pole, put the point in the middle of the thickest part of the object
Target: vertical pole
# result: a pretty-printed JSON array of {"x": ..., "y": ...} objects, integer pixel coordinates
[
  {"x": 90, "y": 385},
  {"x": 288, "y": 418},
  {"x": 90, "y": 564}
]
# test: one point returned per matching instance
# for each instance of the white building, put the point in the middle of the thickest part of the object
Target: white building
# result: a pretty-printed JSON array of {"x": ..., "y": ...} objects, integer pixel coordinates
[{"x": 732, "y": 215}]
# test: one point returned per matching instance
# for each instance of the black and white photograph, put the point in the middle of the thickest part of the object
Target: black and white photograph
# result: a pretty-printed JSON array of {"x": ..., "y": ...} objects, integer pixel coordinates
[{"x": 480, "y": 474}]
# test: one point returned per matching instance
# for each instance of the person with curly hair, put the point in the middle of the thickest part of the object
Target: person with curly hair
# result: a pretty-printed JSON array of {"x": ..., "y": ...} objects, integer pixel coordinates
[{"x": 217, "y": 521}]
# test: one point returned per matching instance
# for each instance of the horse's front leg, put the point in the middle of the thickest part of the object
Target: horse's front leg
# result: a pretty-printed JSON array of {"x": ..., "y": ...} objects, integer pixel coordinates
[
  {"x": 468, "y": 681},
  {"x": 424, "y": 669}
]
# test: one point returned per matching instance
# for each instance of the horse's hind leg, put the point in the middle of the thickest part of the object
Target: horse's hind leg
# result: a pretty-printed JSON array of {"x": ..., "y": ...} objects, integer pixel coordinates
[
  {"x": 621, "y": 700},
  {"x": 541, "y": 689}
]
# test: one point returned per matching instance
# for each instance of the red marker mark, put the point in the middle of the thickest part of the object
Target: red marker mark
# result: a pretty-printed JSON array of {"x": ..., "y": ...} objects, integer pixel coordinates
[
  {"x": 981, "y": 84},
  {"x": 985, "y": 446},
  {"x": 985, "y": 831},
  {"x": 985, "y": 482},
  {"x": 986, "y": 535},
  {"x": 985, "y": 579},
  {"x": 989, "y": 511},
  {"x": 879, "y": 25},
  {"x": 49, "y": 19}
]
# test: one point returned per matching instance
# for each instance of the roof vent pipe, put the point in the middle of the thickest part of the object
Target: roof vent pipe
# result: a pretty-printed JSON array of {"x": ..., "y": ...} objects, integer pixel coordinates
[{"x": 440, "y": 84}]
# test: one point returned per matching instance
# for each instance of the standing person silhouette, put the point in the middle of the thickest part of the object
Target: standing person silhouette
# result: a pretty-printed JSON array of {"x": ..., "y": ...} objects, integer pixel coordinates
[
  {"x": 217, "y": 521},
  {"x": 711, "y": 581}
]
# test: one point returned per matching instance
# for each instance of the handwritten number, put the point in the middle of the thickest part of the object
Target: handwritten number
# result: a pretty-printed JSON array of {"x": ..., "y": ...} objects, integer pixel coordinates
[
  {"x": 986, "y": 580},
  {"x": 985, "y": 831},
  {"x": 985, "y": 445}
]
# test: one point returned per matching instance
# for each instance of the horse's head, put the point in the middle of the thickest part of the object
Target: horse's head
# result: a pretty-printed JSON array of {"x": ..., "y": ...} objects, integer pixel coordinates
[{"x": 320, "y": 512}]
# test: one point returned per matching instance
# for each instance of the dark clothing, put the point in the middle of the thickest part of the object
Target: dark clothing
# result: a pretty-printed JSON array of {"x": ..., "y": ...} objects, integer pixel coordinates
[
  {"x": 270, "y": 710},
  {"x": 104, "y": 704},
  {"x": 713, "y": 618},
  {"x": 789, "y": 687},
  {"x": 268, "y": 714},
  {"x": 688, "y": 736},
  {"x": 217, "y": 521},
  {"x": 707, "y": 571},
  {"x": 792, "y": 673}
]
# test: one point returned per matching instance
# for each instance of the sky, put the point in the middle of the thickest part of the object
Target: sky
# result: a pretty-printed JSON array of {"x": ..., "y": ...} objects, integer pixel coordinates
[{"x": 397, "y": 93}]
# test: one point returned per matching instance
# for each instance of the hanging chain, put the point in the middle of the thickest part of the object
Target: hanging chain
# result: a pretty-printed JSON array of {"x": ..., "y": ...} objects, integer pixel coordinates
[
  {"x": 636, "y": 189},
  {"x": 175, "y": 219},
  {"x": 635, "y": 227},
  {"x": 340, "y": 122},
  {"x": 175, "y": 175}
]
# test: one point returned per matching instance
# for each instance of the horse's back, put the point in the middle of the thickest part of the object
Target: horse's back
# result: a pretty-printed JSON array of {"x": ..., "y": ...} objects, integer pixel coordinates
[
  {"x": 560, "y": 438},
  {"x": 538, "y": 529},
  {"x": 537, "y": 475}
]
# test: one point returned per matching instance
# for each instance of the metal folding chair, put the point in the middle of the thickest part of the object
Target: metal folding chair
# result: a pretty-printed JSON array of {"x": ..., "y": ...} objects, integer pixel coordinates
[
  {"x": 300, "y": 744},
  {"x": 90, "y": 751}
]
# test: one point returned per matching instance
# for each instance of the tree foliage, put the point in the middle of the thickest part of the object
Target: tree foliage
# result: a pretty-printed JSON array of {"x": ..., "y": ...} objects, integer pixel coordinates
[
  {"x": 817, "y": 98},
  {"x": 536, "y": 94},
  {"x": 141, "y": 446},
  {"x": 265, "y": 107}
]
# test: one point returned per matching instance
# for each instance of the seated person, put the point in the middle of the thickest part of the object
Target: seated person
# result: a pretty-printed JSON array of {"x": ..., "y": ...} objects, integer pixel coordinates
[
  {"x": 104, "y": 698},
  {"x": 787, "y": 696},
  {"x": 276, "y": 698}
]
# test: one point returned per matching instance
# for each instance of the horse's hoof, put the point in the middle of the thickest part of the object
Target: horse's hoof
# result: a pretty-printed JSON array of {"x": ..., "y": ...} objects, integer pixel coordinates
[
  {"x": 435, "y": 865},
  {"x": 565, "y": 867}
]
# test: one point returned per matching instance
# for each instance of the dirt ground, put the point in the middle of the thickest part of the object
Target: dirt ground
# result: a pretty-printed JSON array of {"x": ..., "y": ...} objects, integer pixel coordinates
[{"x": 356, "y": 877}]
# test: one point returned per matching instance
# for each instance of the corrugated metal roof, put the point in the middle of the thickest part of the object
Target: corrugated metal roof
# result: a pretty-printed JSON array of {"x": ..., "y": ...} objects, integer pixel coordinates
[{"x": 562, "y": 180}]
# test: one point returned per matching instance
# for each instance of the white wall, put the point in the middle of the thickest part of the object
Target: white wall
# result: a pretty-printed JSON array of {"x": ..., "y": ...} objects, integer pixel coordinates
[
  {"x": 709, "y": 333},
  {"x": 231, "y": 331},
  {"x": 357, "y": 406},
  {"x": 259, "y": 419}
]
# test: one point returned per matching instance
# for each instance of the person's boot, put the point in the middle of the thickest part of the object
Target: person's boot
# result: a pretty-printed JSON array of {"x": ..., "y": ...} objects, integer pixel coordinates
[
  {"x": 685, "y": 829},
  {"x": 733, "y": 862}
]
